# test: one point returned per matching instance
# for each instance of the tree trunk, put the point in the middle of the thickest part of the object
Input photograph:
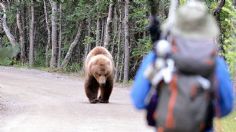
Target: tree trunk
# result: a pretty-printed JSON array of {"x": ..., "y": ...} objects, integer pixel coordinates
[
  {"x": 102, "y": 32},
  {"x": 48, "y": 34},
  {"x": 31, "y": 35},
  {"x": 88, "y": 45},
  {"x": 21, "y": 35},
  {"x": 217, "y": 16},
  {"x": 115, "y": 31},
  {"x": 121, "y": 69},
  {"x": 1, "y": 34},
  {"x": 60, "y": 39},
  {"x": 53, "y": 61},
  {"x": 108, "y": 25},
  {"x": 219, "y": 7},
  {"x": 98, "y": 35},
  {"x": 0, "y": 42},
  {"x": 118, "y": 46},
  {"x": 6, "y": 29},
  {"x": 126, "y": 47},
  {"x": 72, "y": 46}
]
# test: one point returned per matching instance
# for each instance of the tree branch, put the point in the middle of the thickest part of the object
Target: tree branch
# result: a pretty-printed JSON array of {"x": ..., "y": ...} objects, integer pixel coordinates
[
  {"x": 219, "y": 7},
  {"x": 234, "y": 3},
  {"x": 72, "y": 46},
  {"x": 6, "y": 28}
]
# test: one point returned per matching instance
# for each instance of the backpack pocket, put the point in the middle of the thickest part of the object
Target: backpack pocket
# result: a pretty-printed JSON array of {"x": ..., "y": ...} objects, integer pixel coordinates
[{"x": 182, "y": 105}]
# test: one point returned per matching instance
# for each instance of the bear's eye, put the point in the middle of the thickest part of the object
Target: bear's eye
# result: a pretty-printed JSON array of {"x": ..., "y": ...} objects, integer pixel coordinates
[{"x": 99, "y": 74}]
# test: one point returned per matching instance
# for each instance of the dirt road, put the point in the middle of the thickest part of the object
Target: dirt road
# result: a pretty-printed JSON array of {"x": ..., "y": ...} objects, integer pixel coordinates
[{"x": 37, "y": 101}]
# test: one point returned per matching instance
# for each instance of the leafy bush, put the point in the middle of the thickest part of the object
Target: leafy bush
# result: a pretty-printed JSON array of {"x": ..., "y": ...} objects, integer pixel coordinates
[
  {"x": 6, "y": 61},
  {"x": 40, "y": 58},
  {"x": 144, "y": 44},
  {"x": 228, "y": 26},
  {"x": 74, "y": 67},
  {"x": 7, "y": 54}
]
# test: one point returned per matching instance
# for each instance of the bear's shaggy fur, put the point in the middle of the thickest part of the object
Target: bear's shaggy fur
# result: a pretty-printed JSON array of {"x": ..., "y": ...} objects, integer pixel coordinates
[{"x": 99, "y": 74}]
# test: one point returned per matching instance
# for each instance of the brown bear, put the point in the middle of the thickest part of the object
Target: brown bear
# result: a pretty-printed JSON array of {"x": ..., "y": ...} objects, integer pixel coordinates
[{"x": 99, "y": 74}]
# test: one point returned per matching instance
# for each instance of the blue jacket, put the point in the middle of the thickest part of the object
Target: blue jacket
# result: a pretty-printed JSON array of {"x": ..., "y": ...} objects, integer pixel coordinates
[{"x": 141, "y": 86}]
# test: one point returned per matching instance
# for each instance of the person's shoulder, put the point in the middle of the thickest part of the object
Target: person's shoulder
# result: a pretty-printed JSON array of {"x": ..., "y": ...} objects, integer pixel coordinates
[
  {"x": 221, "y": 63},
  {"x": 220, "y": 59},
  {"x": 149, "y": 56}
]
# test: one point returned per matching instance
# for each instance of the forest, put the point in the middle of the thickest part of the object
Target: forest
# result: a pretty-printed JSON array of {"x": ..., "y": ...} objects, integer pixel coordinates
[{"x": 58, "y": 34}]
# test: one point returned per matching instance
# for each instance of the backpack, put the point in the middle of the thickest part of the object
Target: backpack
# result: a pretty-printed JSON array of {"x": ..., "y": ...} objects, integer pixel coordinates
[{"x": 183, "y": 102}]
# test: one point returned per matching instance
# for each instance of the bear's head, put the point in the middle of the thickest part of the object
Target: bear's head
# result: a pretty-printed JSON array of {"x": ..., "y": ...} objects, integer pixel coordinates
[{"x": 101, "y": 68}]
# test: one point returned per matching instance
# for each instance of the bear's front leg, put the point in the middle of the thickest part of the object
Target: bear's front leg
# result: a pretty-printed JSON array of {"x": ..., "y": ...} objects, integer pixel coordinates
[
  {"x": 91, "y": 89},
  {"x": 106, "y": 91}
]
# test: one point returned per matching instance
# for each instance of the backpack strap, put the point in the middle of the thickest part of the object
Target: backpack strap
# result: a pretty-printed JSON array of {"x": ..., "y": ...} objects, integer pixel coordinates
[{"x": 171, "y": 104}]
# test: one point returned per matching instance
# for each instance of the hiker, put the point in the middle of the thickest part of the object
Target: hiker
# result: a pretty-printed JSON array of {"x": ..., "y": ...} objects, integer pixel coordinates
[{"x": 192, "y": 25}]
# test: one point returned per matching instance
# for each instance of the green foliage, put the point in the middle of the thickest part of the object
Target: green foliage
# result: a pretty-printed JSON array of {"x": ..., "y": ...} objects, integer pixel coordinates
[
  {"x": 100, "y": 8},
  {"x": 64, "y": 49},
  {"x": 5, "y": 42},
  {"x": 84, "y": 9},
  {"x": 74, "y": 67},
  {"x": 40, "y": 58},
  {"x": 230, "y": 56},
  {"x": 228, "y": 26},
  {"x": 228, "y": 123},
  {"x": 138, "y": 14},
  {"x": 88, "y": 40},
  {"x": 7, "y": 54},
  {"x": 6, "y": 61},
  {"x": 11, "y": 17},
  {"x": 144, "y": 45},
  {"x": 182, "y": 2}
]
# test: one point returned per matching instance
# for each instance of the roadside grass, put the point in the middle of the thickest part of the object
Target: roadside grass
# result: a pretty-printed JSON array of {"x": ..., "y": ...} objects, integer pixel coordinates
[
  {"x": 74, "y": 68},
  {"x": 227, "y": 124}
]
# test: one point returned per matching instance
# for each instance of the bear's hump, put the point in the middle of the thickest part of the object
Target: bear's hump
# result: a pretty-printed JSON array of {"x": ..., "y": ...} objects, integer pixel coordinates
[{"x": 98, "y": 53}]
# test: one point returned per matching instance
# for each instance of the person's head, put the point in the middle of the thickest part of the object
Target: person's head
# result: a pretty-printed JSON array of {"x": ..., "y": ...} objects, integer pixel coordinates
[{"x": 192, "y": 21}]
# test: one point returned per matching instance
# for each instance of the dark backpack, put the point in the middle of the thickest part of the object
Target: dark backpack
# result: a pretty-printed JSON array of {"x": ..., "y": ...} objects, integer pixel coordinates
[{"x": 183, "y": 103}]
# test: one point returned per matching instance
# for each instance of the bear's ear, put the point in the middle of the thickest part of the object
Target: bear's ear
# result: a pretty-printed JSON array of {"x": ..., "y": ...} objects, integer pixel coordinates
[{"x": 91, "y": 67}]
